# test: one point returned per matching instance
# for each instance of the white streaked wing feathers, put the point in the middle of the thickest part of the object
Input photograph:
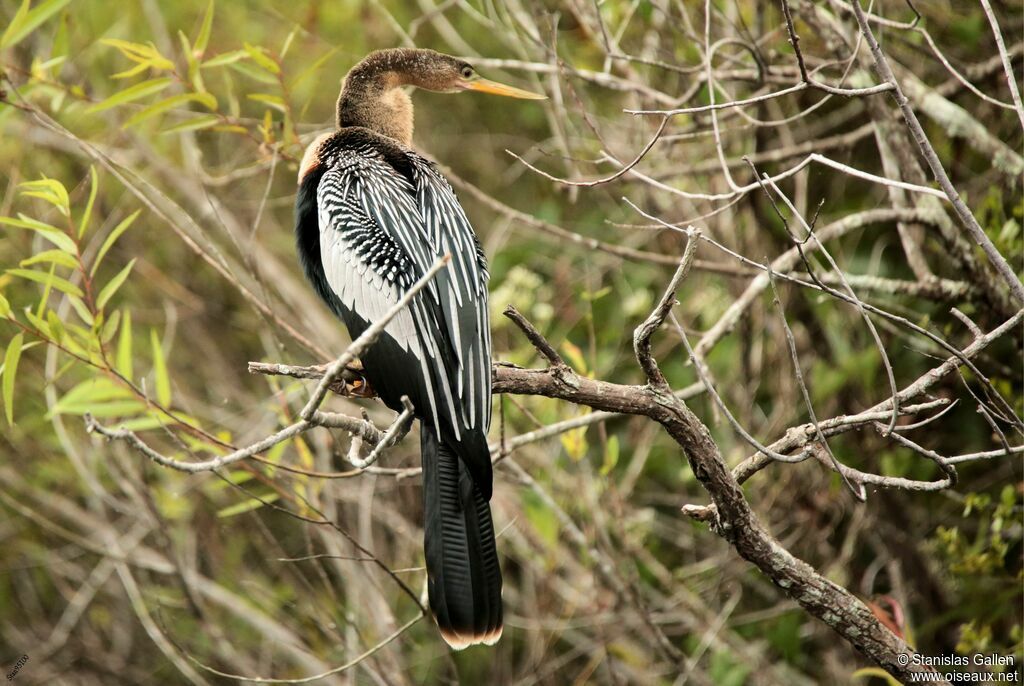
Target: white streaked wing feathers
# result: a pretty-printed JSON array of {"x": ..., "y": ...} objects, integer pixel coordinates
[{"x": 422, "y": 223}]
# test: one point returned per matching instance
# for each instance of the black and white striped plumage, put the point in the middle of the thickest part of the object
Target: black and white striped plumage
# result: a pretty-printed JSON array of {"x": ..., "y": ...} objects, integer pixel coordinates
[{"x": 371, "y": 217}]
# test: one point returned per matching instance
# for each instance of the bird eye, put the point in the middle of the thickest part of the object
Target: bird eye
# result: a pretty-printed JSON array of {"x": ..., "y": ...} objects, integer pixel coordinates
[{"x": 467, "y": 71}]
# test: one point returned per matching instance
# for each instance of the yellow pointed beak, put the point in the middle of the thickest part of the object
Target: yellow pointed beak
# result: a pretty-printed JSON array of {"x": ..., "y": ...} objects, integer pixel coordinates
[{"x": 495, "y": 88}]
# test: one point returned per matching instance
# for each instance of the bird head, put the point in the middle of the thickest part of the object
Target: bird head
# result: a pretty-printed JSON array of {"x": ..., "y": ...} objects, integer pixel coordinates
[{"x": 432, "y": 71}]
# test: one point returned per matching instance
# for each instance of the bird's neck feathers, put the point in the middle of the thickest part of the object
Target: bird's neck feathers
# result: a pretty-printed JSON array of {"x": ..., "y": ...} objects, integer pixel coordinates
[{"x": 373, "y": 97}]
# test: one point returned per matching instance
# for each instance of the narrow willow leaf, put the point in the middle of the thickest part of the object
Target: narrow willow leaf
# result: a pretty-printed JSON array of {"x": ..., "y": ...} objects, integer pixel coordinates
[
  {"x": 26, "y": 21},
  {"x": 83, "y": 224},
  {"x": 236, "y": 477},
  {"x": 156, "y": 108},
  {"x": 163, "y": 382},
  {"x": 62, "y": 285},
  {"x": 194, "y": 75},
  {"x": 207, "y": 100},
  {"x": 288, "y": 42},
  {"x": 194, "y": 124},
  {"x": 78, "y": 305},
  {"x": 143, "y": 53},
  {"x": 47, "y": 231},
  {"x": 110, "y": 326},
  {"x": 575, "y": 355},
  {"x": 203, "y": 38},
  {"x": 60, "y": 40},
  {"x": 108, "y": 291},
  {"x": 5, "y": 307},
  {"x": 11, "y": 358},
  {"x": 98, "y": 389},
  {"x": 16, "y": 21},
  {"x": 248, "y": 505},
  {"x": 52, "y": 62},
  {"x": 254, "y": 73},
  {"x": 260, "y": 57},
  {"x": 106, "y": 410},
  {"x": 139, "y": 90},
  {"x": 50, "y": 275},
  {"x": 128, "y": 73},
  {"x": 123, "y": 360},
  {"x": 611, "y": 456},
  {"x": 38, "y": 322},
  {"x": 50, "y": 190},
  {"x": 112, "y": 238},
  {"x": 56, "y": 326},
  {"x": 226, "y": 58},
  {"x": 55, "y": 256},
  {"x": 134, "y": 51},
  {"x": 575, "y": 443},
  {"x": 23, "y": 222},
  {"x": 275, "y": 101}
]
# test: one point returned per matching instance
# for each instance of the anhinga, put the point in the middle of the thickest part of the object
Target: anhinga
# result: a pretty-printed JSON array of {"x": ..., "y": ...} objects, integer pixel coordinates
[{"x": 372, "y": 216}]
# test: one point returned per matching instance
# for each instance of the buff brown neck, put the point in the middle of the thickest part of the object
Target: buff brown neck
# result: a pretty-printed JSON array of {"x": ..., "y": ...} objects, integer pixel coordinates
[{"x": 372, "y": 96}]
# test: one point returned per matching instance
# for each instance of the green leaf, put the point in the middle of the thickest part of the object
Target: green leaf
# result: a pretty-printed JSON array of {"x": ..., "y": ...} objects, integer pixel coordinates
[
  {"x": 46, "y": 290},
  {"x": 288, "y": 42},
  {"x": 112, "y": 238},
  {"x": 5, "y": 307},
  {"x": 226, "y": 58},
  {"x": 78, "y": 305},
  {"x": 611, "y": 456},
  {"x": 163, "y": 382},
  {"x": 87, "y": 214},
  {"x": 145, "y": 55},
  {"x": 254, "y": 73},
  {"x": 156, "y": 108},
  {"x": 16, "y": 21},
  {"x": 62, "y": 285},
  {"x": 11, "y": 358},
  {"x": 110, "y": 326},
  {"x": 575, "y": 355},
  {"x": 56, "y": 326},
  {"x": 47, "y": 231},
  {"x": 575, "y": 443},
  {"x": 50, "y": 190},
  {"x": 194, "y": 74},
  {"x": 260, "y": 57},
  {"x": 55, "y": 256},
  {"x": 203, "y": 38},
  {"x": 275, "y": 101},
  {"x": 106, "y": 410},
  {"x": 98, "y": 389},
  {"x": 108, "y": 291},
  {"x": 248, "y": 505},
  {"x": 123, "y": 361},
  {"x": 193, "y": 124},
  {"x": 139, "y": 90},
  {"x": 26, "y": 21}
]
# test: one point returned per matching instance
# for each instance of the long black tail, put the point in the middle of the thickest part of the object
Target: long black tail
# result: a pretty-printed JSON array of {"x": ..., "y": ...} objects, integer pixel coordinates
[{"x": 463, "y": 576}]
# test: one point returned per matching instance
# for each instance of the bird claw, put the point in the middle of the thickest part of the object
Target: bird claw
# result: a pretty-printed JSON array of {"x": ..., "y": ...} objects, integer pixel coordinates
[{"x": 357, "y": 385}]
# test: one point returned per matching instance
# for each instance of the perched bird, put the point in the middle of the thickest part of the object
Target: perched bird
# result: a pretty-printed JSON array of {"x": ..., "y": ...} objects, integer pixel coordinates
[{"x": 371, "y": 217}]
